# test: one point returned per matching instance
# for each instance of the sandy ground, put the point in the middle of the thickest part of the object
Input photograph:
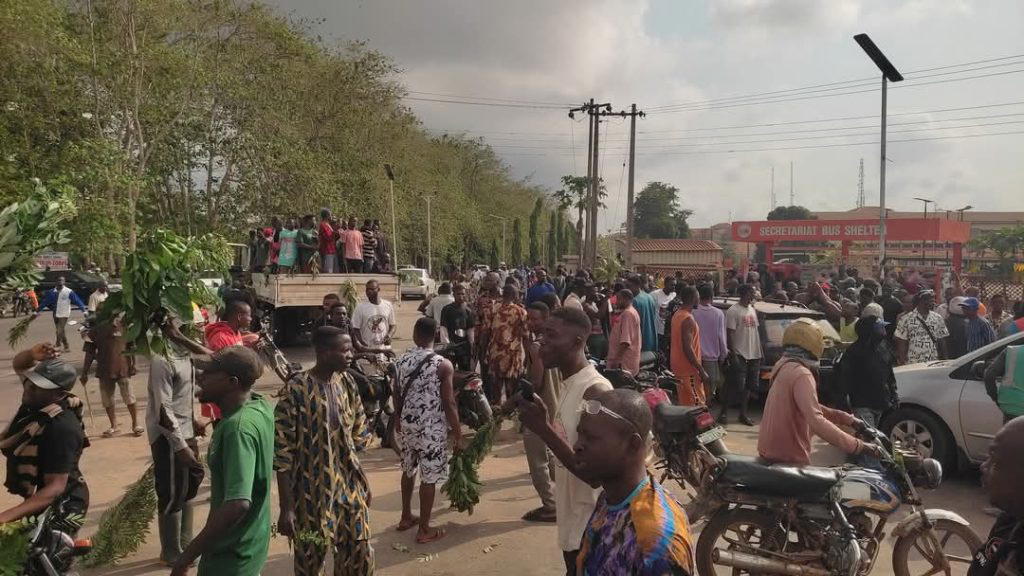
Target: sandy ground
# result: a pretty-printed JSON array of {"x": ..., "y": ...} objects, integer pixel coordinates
[{"x": 514, "y": 546}]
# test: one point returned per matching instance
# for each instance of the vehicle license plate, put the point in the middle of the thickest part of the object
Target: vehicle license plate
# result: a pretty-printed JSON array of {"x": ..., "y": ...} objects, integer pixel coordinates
[{"x": 709, "y": 436}]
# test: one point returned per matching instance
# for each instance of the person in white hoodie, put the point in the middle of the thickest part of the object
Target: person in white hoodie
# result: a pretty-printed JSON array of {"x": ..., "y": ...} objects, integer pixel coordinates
[{"x": 564, "y": 340}]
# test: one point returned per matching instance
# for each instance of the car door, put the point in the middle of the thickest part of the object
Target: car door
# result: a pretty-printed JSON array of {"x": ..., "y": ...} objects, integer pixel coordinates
[{"x": 980, "y": 417}]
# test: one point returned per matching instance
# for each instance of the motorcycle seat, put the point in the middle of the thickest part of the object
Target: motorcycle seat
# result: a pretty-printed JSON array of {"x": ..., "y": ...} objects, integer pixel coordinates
[
  {"x": 754, "y": 475},
  {"x": 676, "y": 419},
  {"x": 648, "y": 360}
]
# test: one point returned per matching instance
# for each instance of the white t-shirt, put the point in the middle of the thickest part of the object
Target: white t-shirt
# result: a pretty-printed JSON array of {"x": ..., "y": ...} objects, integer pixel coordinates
[
  {"x": 63, "y": 307},
  {"x": 97, "y": 298},
  {"x": 746, "y": 341},
  {"x": 661, "y": 299},
  {"x": 373, "y": 321},
  {"x": 437, "y": 304}
]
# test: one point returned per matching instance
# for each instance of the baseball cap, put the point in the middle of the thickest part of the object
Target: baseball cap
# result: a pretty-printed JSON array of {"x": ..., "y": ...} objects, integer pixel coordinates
[
  {"x": 52, "y": 374},
  {"x": 237, "y": 361},
  {"x": 971, "y": 303}
]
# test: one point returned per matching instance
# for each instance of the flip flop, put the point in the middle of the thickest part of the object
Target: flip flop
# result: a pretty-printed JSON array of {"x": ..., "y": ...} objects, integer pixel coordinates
[
  {"x": 540, "y": 515},
  {"x": 111, "y": 432},
  {"x": 437, "y": 534},
  {"x": 138, "y": 431},
  {"x": 402, "y": 526}
]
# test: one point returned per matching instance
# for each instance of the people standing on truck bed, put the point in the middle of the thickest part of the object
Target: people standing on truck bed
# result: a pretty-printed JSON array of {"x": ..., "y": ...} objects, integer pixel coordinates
[
  {"x": 353, "y": 247},
  {"x": 327, "y": 236},
  {"x": 308, "y": 243},
  {"x": 369, "y": 247}
]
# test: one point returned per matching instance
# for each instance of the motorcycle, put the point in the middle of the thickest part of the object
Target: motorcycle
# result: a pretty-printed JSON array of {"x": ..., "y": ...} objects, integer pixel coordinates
[
  {"x": 274, "y": 358},
  {"x": 375, "y": 375},
  {"x": 473, "y": 407},
  {"x": 807, "y": 521},
  {"x": 52, "y": 549}
]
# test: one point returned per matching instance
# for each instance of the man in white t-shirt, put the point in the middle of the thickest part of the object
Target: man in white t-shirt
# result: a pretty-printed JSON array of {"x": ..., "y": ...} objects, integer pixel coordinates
[
  {"x": 444, "y": 297},
  {"x": 662, "y": 296},
  {"x": 98, "y": 297},
  {"x": 60, "y": 300},
  {"x": 741, "y": 326},
  {"x": 373, "y": 321}
]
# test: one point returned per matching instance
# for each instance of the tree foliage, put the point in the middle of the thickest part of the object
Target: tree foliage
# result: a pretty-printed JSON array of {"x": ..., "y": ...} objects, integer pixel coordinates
[
  {"x": 552, "y": 244},
  {"x": 214, "y": 116},
  {"x": 28, "y": 228},
  {"x": 515, "y": 255},
  {"x": 656, "y": 213},
  {"x": 790, "y": 213},
  {"x": 573, "y": 196},
  {"x": 538, "y": 207},
  {"x": 1004, "y": 243}
]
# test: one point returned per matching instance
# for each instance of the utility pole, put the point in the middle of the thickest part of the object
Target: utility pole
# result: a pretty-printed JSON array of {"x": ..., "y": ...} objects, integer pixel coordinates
[
  {"x": 633, "y": 113},
  {"x": 860, "y": 185},
  {"x": 791, "y": 202},
  {"x": 771, "y": 189},
  {"x": 588, "y": 254},
  {"x": 429, "y": 243}
]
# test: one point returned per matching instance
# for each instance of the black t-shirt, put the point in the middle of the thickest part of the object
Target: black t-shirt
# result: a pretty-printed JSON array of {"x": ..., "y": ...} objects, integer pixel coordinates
[
  {"x": 457, "y": 320},
  {"x": 60, "y": 448},
  {"x": 957, "y": 326},
  {"x": 1004, "y": 546}
]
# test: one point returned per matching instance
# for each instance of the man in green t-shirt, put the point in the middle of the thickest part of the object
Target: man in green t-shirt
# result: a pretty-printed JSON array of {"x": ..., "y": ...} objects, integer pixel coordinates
[
  {"x": 237, "y": 532},
  {"x": 307, "y": 241}
]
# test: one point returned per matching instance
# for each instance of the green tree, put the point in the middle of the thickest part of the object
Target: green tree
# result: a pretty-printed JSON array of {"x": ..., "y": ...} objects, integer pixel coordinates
[
  {"x": 790, "y": 213},
  {"x": 656, "y": 213},
  {"x": 573, "y": 196},
  {"x": 552, "y": 240},
  {"x": 535, "y": 255},
  {"x": 494, "y": 260},
  {"x": 516, "y": 251}
]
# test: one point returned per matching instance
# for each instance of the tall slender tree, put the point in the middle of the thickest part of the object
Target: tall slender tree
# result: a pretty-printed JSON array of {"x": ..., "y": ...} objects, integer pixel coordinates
[
  {"x": 494, "y": 258},
  {"x": 552, "y": 240},
  {"x": 535, "y": 253},
  {"x": 515, "y": 255}
]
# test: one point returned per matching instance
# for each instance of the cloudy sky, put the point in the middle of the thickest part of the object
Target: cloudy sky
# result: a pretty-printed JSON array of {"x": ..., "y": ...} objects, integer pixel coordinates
[{"x": 732, "y": 88}]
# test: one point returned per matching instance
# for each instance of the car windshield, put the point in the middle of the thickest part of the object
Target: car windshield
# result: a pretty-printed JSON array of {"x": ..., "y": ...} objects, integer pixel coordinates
[
  {"x": 776, "y": 326},
  {"x": 410, "y": 276}
]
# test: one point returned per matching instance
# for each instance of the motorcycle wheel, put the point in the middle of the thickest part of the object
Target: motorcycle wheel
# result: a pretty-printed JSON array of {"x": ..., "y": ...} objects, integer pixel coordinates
[
  {"x": 481, "y": 409},
  {"x": 914, "y": 554},
  {"x": 740, "y": 529}
]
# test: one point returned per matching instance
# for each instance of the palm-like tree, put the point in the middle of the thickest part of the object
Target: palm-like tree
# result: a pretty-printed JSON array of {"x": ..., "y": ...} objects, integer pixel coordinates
[{"x": 573, "y": 196}]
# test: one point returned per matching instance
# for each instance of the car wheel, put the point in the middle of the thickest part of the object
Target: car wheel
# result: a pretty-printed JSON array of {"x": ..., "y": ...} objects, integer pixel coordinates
[{"x": 928, "y": 435}]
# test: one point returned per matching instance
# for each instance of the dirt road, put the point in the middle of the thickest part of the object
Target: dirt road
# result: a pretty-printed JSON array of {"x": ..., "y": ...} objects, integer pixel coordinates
[{"x": 512, "y": 546}]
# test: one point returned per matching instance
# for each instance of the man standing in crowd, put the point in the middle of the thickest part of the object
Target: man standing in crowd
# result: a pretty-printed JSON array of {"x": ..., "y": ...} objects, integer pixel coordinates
[
  {"x": 637, "y": 527},
  {"x": 382, "y": 248},
  {"x": 427, "y": 424},
  {"x": 98, "y": 297},
  {"x": 868, "y": 306},
  {"x": 560, "y": 281},
  {"x": 113, "y": 370},
  {"x": 353, "y": 247},
  {"x": 489, "y": 295},
  {"x": 326, "y": 239},
  {"x": 505, "y": 350},
  {"x": 662, "y": 296},
  {"x": 713, "y": 346},
  {"x": 686, "y": 353},
  {"x": 625, "y": 340},
  {"x": 565, "y": 338},
  {"x": 236, "y": 537},
  {"x": 373, "y": 321},
  {"x": 458, "y": 326},
  {"x": 60, "y": 299},
  {"x": 574, "y": 299},
  {"x": 288, "y": 247},
  {"x": 44, "y": 441},
  {"x": 921, "y": 334},
  {"x": 979, "y": 331},
  {"x": 308, "y": 243},
  {"x": 369, "y": 247},
  {"x": 1003, "y": 473},
  {"x": 171, "y": 430},
  {"x": 597, "y": 344},
  {"x": 648, "y": 311},
  {"x": 319, "y": 427},
  {"x": 539, "y": 289},
  {"x": 229, "y": 331},
  {"x": 744, "y": 352},
  {"x": 436, "y": 304},
  {"x": 546, "y": 385},
  {"x": 956, "y": 325},
  {"x": 865, "y": 372}
]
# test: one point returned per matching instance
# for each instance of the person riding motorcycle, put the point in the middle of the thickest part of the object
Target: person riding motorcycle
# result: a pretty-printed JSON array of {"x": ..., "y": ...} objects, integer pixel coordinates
[{"x": 792, "y": 412}]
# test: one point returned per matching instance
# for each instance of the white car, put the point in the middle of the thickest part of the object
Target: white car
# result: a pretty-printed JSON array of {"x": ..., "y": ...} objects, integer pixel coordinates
[
  {"x": 944, "y": 410},
  {"x": 416, "y": 282}
]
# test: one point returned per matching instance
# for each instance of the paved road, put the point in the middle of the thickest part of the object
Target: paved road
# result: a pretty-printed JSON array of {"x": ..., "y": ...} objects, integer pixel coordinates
[{"x": 514, "y": 546}]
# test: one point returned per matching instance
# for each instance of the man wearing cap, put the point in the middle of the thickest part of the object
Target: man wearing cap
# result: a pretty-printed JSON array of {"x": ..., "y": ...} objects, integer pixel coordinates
[
  {"x": 46, "y": 437},
  {"x": 979, "y": 332},
  {"x": 237, "y": 532}
]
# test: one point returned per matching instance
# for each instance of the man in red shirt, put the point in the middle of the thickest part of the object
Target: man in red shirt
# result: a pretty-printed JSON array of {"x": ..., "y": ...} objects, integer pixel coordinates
[
  {"x": 624, "y": 343},
  {"x": 328, "y": 250}
]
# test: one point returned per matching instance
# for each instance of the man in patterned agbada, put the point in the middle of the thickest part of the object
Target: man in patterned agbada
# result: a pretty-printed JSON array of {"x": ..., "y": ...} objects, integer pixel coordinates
[{"x": 324, "y": 494}]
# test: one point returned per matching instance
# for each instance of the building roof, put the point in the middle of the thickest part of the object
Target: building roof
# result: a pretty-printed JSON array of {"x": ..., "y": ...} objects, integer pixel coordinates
[
  {"x": 674, "y": 245},
  {"x": 973, "y": 216}
]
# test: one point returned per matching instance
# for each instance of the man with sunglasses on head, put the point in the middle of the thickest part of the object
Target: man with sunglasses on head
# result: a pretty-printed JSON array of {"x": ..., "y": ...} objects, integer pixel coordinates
[
  {"x": 563, "y": 339},
  {"x": 636, "y": 527}
]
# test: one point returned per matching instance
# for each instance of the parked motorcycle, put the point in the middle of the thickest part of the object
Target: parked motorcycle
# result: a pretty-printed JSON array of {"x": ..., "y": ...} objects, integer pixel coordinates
[
  {"x": 52, "y": 548},
  {"x": 473, "y": 406},
  {"x": 274, "y": 358},
  {"x": 375, "y": 376},
  {"x": 808, "y": 521}
]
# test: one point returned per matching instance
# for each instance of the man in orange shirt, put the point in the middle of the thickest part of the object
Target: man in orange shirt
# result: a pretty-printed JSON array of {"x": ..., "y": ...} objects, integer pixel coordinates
[
  {"x": 685, "y": 351},
  {"x": 626, "y": 339}
]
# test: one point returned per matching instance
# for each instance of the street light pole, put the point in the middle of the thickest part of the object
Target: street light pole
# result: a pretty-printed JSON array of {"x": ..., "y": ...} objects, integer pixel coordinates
[
  {"x": 889, "y": 74},
  {"x": 394, "y": 219},
  {"x": 924, "y": 241}
]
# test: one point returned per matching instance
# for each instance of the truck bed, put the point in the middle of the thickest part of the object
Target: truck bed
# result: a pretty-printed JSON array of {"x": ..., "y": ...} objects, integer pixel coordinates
[{"x": 302, "y": 290}]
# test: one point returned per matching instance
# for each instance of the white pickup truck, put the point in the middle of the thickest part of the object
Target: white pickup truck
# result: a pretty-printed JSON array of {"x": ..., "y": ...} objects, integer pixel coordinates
[{"x": 291, "y": 302}]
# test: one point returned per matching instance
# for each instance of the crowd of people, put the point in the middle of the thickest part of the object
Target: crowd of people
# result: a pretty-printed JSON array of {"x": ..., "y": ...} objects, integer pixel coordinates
[
  {"x": 586, "y": 443},
  {"x": 327, "y": 244}
]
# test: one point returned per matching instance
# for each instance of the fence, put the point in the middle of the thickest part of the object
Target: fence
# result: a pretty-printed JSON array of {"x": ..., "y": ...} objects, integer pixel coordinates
[{"x": 1012, "y": 291}]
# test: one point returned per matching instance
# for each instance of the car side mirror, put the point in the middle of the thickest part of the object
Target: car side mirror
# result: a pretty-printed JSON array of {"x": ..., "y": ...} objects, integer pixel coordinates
[{"x": 978, "y": 369}]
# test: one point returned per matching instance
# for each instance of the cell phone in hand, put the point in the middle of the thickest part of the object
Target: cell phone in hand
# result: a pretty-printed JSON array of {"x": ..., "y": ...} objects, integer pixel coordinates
[{"x": 526, "y": 390}]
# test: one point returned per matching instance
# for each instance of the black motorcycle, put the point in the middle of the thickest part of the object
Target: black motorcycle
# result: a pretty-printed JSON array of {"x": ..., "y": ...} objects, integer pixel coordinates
[
  {"x": 474, "y": 409},
  {"x": 375, "y": 375},
  {"x": 52, "y": 546},
  {"x": 817, "y": 521}
]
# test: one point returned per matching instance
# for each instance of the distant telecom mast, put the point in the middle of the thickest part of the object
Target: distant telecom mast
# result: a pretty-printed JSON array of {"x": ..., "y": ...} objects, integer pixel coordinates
[
  {"x": 771, "y": 189},
  {"x": 860, "y": 185},
  {"x": 792, "y": 202}
]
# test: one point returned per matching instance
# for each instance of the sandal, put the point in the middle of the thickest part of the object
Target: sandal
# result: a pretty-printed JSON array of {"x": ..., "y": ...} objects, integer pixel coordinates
[
  {"x": 434, "y": 536},
  {"x": 138, "y": 431},
  {"x": 111, "y": 432},
  {"x": 541, "y": 514},
  {"x": 403, "y": 525}
]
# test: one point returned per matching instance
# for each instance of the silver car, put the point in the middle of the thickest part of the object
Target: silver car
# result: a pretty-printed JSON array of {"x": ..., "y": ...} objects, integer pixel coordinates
[{"x": 944, "y": 410}]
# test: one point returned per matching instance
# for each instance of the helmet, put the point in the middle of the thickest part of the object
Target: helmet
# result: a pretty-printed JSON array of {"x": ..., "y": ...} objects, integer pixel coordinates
[{"x": 806, "y": 334}]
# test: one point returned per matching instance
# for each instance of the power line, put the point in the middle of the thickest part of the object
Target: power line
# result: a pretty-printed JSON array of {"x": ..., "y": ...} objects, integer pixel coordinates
[
  {"x": 494, "y": 104},
  {"x": 490, "y": 99}
]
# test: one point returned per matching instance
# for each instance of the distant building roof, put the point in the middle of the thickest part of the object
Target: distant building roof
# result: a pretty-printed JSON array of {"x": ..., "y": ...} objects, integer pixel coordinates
[{"x": 673, "y": 245}]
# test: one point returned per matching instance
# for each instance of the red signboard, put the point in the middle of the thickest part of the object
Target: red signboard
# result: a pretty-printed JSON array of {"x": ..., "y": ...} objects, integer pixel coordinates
[{"x": 897, "y": 230}]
